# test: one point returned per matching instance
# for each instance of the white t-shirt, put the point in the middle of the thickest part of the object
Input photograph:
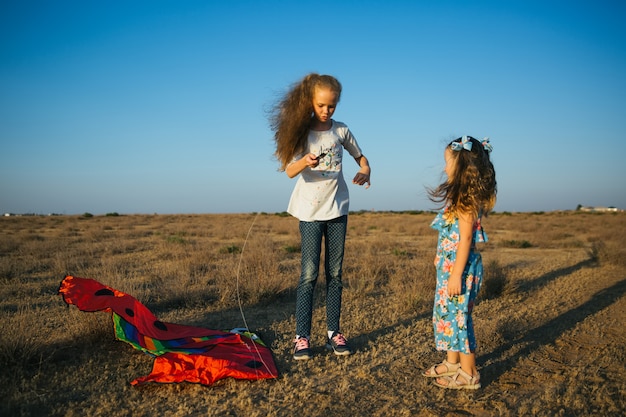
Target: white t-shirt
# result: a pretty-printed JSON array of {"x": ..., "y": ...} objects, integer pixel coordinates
[{"x": 321, "y": 193}]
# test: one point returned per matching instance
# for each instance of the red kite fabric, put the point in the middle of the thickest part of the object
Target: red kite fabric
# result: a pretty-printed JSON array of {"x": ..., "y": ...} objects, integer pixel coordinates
[{"x": 183, "y": 353}]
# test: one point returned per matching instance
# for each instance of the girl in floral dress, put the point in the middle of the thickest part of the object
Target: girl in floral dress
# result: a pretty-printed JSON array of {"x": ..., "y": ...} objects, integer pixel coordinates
[{"x": 468, "y": 193}]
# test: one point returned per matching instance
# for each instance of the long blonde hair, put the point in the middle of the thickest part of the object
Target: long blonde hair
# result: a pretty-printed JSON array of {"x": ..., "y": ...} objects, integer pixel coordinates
[
  {"x": 290, "y": 118},
  {"x": 472, "y": 188}
]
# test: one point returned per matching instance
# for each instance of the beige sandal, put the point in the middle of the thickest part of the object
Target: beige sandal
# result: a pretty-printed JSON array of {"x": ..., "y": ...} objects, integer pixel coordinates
[
  {"x": 451, "y": 369},
  {"x": 453, "y": 382}
]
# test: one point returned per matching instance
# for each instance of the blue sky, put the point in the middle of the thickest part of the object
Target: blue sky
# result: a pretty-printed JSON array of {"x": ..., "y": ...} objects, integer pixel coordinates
[{"x": 160, "y": 106}]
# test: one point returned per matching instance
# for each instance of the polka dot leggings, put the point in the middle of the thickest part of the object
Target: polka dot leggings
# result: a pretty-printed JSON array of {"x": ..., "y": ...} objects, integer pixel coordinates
[{"x": 311, "y": 233}]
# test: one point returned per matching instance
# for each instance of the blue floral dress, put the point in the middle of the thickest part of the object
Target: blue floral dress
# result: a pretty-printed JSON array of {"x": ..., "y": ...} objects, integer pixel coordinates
[{"x": 452, "y": 316}]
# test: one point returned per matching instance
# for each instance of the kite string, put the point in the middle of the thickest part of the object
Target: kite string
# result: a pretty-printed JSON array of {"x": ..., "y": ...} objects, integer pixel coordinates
[
  {"x": 243, "y": 248},
  {"x": 243, "y": 316}
]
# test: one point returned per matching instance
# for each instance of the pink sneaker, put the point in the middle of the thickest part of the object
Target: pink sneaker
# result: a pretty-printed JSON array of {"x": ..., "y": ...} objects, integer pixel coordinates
[
  {"x": 301, "y": 350},
  {"x": 339, "y": 345}
]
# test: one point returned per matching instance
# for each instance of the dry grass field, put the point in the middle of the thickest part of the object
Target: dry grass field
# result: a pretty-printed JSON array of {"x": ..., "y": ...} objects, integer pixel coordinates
[{"x": 550, "y": 321}]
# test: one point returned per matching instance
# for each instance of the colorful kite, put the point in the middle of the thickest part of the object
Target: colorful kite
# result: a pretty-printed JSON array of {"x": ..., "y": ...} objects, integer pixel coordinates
[{"x": 183, "y": 353}]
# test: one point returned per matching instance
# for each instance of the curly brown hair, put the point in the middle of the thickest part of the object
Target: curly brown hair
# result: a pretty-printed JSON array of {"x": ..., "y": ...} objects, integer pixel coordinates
[
  {"x": 290, "y": 118},
  {"x": 472, "y": 188}
]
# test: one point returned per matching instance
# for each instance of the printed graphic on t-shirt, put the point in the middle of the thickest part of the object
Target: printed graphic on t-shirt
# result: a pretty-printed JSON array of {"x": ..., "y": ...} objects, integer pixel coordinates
[{"x": 329, "y": 161}]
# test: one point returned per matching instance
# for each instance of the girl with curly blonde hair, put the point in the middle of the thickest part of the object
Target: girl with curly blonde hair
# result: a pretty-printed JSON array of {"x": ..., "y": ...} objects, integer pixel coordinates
[{"x": 309, "y": 143}]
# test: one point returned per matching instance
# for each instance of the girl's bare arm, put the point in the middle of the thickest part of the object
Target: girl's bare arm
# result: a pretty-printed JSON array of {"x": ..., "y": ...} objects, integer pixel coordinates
[
  {"x": 466, "y": 228},
  {"x": 310, "y": 160},
  {"x": 363, "y": 176}
]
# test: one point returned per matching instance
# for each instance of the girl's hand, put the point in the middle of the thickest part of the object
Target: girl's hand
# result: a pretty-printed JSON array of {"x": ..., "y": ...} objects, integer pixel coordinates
[
  {"x": 307, "y": 161},
  {"x": 454, "y": 286},
  {"x": 361, "y": 179},
  {"x": 311, "y": 160},
  {"x": 363, "y": 176}
]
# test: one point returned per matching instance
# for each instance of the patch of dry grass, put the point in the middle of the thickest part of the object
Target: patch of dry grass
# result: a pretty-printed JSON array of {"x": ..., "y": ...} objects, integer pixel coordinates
[{"x": 200, "y": 269}]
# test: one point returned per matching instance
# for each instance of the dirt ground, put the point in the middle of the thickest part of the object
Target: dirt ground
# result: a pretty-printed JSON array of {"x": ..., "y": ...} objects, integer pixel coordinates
[
  {"x": 550, "y": 343},
  {"x": 553, "y": 345}
]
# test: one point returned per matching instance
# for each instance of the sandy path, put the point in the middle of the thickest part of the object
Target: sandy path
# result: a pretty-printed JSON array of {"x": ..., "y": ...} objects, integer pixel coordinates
[{"x": 557, "y": 339}]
